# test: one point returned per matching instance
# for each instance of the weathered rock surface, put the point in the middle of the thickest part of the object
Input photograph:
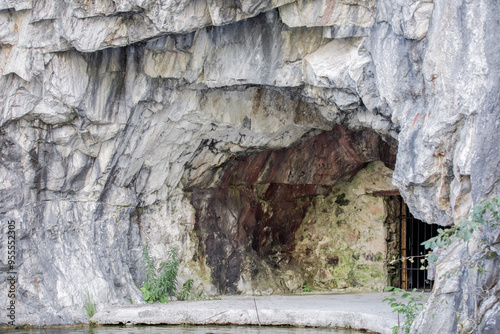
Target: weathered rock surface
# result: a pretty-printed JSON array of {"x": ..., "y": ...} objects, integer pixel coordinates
[
  {"x": 117, "y": 116},
  {"x": 340, "y": 19}
]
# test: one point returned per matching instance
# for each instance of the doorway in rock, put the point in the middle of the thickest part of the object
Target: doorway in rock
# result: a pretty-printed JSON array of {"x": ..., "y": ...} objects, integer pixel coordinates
[
  {"x": 412, "y": 232},
  {"x": 297, "y": 218}
]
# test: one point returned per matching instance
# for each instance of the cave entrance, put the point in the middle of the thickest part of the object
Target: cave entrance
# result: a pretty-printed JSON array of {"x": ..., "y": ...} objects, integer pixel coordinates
[
  {"x": 298, "y": 218},
  {"x": 412, "y": 232}
]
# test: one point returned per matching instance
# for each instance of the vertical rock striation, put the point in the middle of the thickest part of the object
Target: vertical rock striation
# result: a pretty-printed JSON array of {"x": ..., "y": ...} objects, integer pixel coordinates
[{"x": 121, "y": 119}]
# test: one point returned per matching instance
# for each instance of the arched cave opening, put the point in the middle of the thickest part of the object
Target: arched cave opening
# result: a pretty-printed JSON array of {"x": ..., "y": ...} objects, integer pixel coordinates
[{"x": 306, "y": 215}]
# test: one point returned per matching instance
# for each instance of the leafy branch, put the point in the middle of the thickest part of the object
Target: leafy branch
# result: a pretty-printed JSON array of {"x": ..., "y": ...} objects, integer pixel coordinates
[
  {"x": 406, "y": 303},
  {"x": 486, "y": 214}
]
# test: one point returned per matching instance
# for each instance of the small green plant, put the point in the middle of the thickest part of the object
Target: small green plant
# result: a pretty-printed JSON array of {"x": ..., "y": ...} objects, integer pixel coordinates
[
  {"x": 306, "y": 288},
  {"x": 159, "y": 286},
  {"x": 405, "y": 303},
  {"x": 186, "y": 293},
  {"x": 89, "y": 306}
]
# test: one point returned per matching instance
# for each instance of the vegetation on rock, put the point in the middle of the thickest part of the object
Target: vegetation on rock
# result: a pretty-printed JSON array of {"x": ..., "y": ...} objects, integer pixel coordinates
[
  {"x": 89, "y": 306},
  {"x": 484, "y": 215},
  {"x": 159, "y": 286}
]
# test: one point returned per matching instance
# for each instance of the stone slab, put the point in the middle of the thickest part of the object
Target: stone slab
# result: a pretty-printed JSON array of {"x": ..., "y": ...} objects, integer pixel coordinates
[{"x": 357, "y": 311}]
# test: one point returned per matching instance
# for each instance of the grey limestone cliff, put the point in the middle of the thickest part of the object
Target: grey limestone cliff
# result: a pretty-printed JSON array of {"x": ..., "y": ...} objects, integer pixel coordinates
[{"x": 117, "y": 116}]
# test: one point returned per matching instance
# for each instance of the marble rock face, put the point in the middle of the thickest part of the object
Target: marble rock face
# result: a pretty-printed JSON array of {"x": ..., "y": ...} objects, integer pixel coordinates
[{"x": 119, "y": 120}]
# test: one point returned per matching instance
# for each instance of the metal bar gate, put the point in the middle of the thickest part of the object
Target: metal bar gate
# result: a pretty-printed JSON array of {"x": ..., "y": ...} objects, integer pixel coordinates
[{"x": 412, "y": 233}]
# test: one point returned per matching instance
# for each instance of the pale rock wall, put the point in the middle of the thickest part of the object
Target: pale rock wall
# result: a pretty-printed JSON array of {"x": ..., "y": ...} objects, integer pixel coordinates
[
  {"x": 109, "y": 108},
  {"x": 339, "y": 19}
]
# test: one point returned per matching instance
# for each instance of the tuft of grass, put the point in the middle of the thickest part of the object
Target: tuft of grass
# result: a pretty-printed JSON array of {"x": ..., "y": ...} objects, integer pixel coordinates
[{"x": 89, "y": 306}]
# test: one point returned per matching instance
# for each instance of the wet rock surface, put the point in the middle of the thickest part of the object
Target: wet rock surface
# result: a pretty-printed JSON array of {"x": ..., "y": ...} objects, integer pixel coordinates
[{"x": 113, "y": 112}]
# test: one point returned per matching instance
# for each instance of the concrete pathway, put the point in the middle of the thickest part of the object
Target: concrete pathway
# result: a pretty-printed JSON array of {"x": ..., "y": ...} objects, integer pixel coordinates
[{"x": 357, "y": 311}]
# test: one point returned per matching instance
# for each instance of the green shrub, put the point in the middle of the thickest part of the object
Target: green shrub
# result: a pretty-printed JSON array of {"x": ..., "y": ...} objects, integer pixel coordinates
[{"x": 159, "y": 286}]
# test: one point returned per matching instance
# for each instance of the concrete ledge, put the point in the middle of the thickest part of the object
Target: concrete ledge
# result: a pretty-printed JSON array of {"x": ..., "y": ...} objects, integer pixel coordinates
[{"x": 357, "y": 311}]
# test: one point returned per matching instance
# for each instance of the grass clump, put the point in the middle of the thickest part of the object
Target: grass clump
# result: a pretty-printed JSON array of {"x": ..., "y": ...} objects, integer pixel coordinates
[{"x": 89, "y": 306}]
